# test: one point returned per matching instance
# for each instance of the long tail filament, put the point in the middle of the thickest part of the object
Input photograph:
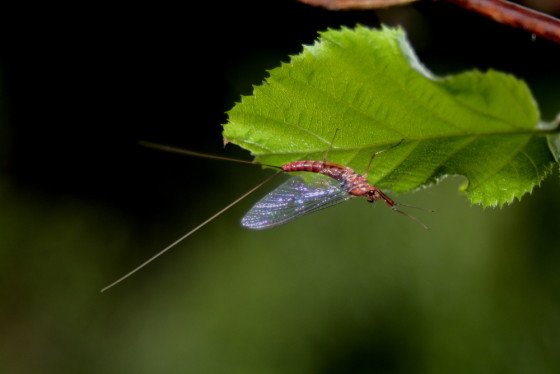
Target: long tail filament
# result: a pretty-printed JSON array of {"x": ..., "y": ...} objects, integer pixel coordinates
[{"x": 189, "y": 233}]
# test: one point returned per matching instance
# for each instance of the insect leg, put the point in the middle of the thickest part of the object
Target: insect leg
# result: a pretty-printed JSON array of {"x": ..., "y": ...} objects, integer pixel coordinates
[
  {"x": 378, "y": 153},
  {"x": 330, "y": 147}
]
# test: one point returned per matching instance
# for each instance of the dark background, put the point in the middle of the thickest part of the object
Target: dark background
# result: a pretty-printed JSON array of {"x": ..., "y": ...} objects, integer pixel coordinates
[
  {"x": 82, "y": 202},
  {"x": 82, "y": 84}
]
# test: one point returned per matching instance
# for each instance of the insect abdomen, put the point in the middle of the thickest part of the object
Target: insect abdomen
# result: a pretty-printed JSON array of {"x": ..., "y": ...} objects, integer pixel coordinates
[
  {"x": 310, "y": 166},
  {"x": 334, "y": 171},
  {"x": 353, "y": 182}
]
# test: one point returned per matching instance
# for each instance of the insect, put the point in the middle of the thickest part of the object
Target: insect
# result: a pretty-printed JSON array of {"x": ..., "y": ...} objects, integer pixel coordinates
[{"x": 327, "y": 184}]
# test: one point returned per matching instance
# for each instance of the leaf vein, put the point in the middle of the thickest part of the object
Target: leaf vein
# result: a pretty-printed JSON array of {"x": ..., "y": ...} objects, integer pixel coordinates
[{"x": 503, "y": 165}]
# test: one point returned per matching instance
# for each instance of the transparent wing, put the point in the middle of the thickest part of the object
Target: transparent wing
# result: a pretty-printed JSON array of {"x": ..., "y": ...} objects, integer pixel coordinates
[{"x": 294, "y": 198}]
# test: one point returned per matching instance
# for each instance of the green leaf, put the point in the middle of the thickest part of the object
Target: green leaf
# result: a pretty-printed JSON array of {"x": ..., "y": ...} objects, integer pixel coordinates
[
  {"x": 554, "y": 144},
  {"x": 554, "y": 139},
  {"x": 370, "y": 85}
]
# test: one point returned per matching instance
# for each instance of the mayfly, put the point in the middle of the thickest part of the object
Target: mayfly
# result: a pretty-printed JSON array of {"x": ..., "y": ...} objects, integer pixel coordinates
[{"x": 328, "y": 184}]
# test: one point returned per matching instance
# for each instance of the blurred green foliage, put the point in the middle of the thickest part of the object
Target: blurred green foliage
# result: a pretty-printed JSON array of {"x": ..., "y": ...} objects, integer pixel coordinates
[{"x": 349, "y": 289}]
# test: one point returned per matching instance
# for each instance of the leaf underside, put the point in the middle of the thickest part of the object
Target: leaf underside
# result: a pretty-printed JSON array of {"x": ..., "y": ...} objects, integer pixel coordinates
[{"x": 369, "y": 85}]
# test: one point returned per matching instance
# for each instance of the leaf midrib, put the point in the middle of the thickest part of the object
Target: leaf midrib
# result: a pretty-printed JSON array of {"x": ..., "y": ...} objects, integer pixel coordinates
[{"x": 388, "y": 143}]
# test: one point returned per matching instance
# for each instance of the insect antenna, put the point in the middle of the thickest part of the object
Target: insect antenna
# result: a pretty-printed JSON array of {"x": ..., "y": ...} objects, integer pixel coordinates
[
  {"x": 216, "y": 215},
  {"x": 393, "y": 204},
  {"x": 181, "y": 151},
  {"x": 409, "y": 216},
  {"x": 416, "y": 207}
]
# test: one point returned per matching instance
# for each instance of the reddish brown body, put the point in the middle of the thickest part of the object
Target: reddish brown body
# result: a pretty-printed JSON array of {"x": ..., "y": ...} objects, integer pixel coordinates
[{"x": 354, "y": 183}]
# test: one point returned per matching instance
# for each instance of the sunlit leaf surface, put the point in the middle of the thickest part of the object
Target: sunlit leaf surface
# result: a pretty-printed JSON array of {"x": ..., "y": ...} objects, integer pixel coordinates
[{"x": 370, "y": 85}]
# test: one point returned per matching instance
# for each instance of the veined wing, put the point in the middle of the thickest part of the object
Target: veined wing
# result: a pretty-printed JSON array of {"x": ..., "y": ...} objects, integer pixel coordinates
[{"x": 294, "y": 198}]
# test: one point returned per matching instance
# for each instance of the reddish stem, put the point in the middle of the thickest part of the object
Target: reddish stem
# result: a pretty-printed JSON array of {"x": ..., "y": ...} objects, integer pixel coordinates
[
  {"x": 355, "y": 4},
  {"x": 515, "y": 15},
  {"x": 537, "y": 23}
]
